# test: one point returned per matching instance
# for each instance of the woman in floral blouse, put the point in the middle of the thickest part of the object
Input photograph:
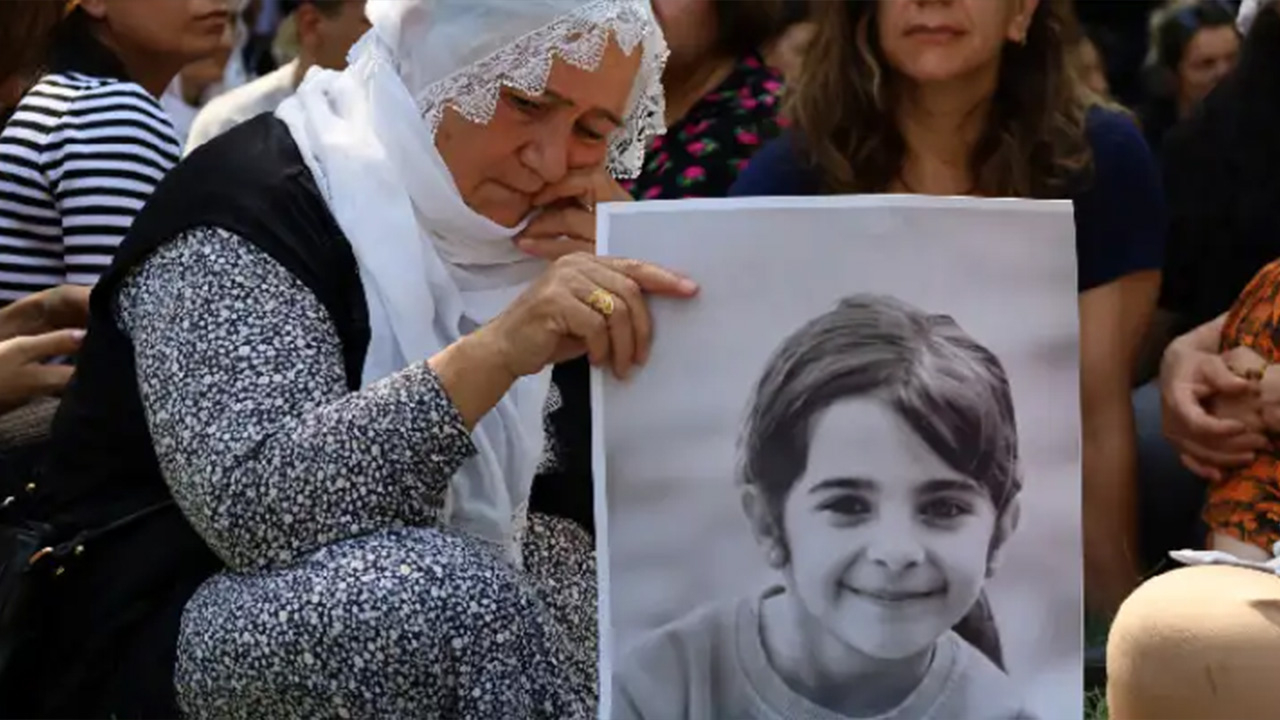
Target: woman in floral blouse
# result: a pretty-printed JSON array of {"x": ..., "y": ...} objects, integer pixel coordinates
[{"x": 722, "y": 99}]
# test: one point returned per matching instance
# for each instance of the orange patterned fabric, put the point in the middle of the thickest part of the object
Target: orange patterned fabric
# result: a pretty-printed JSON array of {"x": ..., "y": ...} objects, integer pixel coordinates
[{"x": 1245, "y": 504}]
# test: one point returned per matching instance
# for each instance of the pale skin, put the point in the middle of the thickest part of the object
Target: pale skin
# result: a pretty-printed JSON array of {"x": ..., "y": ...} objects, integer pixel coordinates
[
  {"x": 33, "y": 330},
  {"x": 155, "y": 39},
  {"x": 950, "y": 80},
  {"x": 547, "y": 152},
  {"x": 324, "y": 38}
]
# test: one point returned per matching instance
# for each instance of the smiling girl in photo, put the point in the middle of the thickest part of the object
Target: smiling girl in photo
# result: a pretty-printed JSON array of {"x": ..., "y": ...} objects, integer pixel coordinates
[{"x": 880, "y": 475}]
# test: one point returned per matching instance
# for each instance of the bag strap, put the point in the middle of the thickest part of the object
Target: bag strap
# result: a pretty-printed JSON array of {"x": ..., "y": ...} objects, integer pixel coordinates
[{"x": 76, "y": 544}]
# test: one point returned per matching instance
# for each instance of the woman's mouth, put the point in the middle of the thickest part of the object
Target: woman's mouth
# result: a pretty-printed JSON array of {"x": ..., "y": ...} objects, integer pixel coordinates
[{"x": 934, "y": 33}]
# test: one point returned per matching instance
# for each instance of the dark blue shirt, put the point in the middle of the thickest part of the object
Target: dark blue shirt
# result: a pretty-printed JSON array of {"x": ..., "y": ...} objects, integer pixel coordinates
[{"x": 1120, "y": 215}]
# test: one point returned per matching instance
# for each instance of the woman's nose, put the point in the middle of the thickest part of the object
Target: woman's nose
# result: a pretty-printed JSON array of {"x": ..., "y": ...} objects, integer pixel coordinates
[{"x": 548, "y": 156}]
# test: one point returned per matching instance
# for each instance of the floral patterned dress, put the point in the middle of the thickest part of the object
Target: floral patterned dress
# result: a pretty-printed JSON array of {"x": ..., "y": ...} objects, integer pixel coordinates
[{"x": 702, "y": 154}]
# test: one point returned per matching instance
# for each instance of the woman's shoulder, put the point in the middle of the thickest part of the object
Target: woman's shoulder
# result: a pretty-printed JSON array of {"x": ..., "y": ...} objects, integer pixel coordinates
[
  {"x": 1114, "y": 131},
  {"x": 1120, "y": 212},
  {"x": 90, "y": 105}
]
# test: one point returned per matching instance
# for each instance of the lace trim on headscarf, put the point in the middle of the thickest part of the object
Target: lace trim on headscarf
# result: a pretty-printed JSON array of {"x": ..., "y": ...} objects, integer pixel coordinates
[{"x": 578, "y": 38}]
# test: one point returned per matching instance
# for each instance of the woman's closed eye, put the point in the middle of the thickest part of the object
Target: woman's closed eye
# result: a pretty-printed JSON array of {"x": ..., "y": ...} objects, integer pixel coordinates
[{"x": 527, "y": 106}]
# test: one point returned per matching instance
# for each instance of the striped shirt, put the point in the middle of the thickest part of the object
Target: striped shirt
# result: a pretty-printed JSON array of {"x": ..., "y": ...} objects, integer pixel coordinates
[{"x": 78, "y": 159}]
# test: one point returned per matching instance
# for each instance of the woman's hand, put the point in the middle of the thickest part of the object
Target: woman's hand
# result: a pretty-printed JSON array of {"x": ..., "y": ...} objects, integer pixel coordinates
[
  {"x": 567, "y": 223},
  {"x": 1192, "y": 373},
  {"x": 24, "y": 374},
  {"x": 65, "y": 306},
  {"x": 584, "y": 304}
]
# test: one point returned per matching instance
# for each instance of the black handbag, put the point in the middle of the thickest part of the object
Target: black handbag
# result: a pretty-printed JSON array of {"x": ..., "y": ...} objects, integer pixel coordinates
[{"x": 29, "y": 552}]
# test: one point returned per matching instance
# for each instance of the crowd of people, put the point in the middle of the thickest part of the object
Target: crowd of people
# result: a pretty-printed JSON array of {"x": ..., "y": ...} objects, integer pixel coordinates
[{"x": 298, "y": 300}]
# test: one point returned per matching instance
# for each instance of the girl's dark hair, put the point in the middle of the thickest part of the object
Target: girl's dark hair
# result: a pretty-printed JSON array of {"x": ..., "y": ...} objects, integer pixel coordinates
[
  {"x": 844, "y": 102},
  {"x": 26, "y": 30},
  {"x": 745, "y": 26},
  {"x": 1175, "y": 31},
  {"x": 948, "y": 388}
]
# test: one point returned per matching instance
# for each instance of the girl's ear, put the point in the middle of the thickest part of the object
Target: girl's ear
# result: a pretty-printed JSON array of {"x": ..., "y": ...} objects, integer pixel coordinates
[
  {"x": 764, "y": 528},
  {"x": 1006, "y": 525}
]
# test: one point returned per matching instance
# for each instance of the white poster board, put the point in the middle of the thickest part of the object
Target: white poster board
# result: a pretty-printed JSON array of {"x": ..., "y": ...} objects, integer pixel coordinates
[{"x": 784, "y": 526}]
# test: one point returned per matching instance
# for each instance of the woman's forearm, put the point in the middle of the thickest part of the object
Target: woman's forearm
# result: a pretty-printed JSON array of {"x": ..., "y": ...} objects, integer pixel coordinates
[
  {"x": 1110, "y": 524},
  {"x": 472, "y": 376}
]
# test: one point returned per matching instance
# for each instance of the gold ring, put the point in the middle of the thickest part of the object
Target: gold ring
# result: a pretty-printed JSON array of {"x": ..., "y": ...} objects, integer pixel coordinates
[{"x": 601, "y": 301}]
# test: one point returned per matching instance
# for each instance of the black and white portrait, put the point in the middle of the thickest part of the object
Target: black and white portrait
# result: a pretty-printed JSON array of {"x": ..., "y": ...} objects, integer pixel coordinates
[{"x": 846, "y": 484}]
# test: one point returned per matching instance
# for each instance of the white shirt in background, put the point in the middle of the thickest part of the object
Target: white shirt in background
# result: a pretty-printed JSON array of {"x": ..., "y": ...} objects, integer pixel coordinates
[{"x": 243, "y": 103}]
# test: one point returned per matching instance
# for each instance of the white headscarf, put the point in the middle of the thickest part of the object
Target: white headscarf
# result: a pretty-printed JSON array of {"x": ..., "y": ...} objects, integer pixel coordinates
[
  {"x": 1248, "y": 11},
  {"x": 433, "y": 269}
]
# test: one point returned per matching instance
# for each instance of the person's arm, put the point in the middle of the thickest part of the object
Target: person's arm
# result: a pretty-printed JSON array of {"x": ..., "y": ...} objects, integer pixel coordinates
[
  {"x": 1110, "y": 318},
  {"x": 104, "y": 160},
  {"x": 241, "y": 374},
  {"x": 1120, "y": 226}
]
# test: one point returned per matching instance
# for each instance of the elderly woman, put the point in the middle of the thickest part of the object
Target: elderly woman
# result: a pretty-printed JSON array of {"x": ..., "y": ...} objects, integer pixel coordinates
[{"x": 324, "y": 342}]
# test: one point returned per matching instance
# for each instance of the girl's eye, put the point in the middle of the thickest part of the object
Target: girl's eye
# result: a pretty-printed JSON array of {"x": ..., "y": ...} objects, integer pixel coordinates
[
  {"x": 945, "y": 509},
  {"x": 846, "y": 505}
]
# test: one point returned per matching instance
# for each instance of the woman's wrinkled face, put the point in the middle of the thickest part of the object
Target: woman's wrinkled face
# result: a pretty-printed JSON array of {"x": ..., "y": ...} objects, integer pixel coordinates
[
  {"x": 931, "y": 41},
  {"x": 534, "y": 141},
  {"x": 1209, "y": 56},
  {"x": 181, "y": 30},
  {"x": 887, "y": 546}
]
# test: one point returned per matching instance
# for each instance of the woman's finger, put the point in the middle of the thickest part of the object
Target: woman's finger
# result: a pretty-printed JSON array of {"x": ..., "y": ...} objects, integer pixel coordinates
[
  {"x": 579, "y": 184},
  {"x": 1185, "y": 415},
  {"x": 630, "y": 323},
  {"x": 585, "y": 324},
  {"x": 554, "y": 249},
  {"x": 1215, "y": 373},
  {"x": 48, "y": 379},
  {"x": 48, "y": 345},
  {"x": 653, "y": 278},
  {"x": 1215, "y": 456},
  {"x": 1207, "y": 472},
  {"x": 571, "y": 221}
]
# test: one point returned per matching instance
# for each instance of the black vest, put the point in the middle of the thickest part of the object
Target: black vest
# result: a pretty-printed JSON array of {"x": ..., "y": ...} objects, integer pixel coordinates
[{"x": 108, "y": 635}]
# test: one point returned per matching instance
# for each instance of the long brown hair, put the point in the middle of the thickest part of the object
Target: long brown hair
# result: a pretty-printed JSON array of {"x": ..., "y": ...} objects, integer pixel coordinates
[
  {"x": 26, "y": 28},
  {"x": 843, "y": 106}
]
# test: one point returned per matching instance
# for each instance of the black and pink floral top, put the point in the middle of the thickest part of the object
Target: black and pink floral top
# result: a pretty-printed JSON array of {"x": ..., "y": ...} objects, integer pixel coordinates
[{"x": 702, "y": 154}]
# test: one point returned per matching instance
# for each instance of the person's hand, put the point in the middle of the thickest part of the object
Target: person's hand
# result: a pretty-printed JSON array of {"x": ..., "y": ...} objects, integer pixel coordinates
[
  {"x": 567, "y": 222},
  {"x": 62, "y": 307},
  {"x": 24, "y": 374},
  {"x": 1190, "y": 377},
  {"x": 583, "y": 304}
]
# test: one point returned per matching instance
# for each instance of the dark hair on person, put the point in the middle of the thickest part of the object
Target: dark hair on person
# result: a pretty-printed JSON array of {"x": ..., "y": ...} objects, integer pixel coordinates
[
  {"x": 843, "y": 107},
  {"x": 949, "y": 389},
  {"x": 26, "y": 31},
  {"x": 1174, "y": 32},
  {"x": 328, "y": 8},
  {"x": 745, "y": 26}
]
